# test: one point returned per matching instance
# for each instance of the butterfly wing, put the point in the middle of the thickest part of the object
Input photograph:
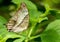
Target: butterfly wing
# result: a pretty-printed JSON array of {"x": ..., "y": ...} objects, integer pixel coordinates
[
  {"x": 23, "y": 26},
  {"x": 20, "y": 20}
]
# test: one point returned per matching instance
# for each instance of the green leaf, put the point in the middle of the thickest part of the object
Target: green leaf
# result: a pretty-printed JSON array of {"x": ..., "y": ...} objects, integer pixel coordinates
[
  {"x": 53, "y": 4},
  {"x": 4, "y": 34},
  {"x": 17, "y": 1},
  {"x": 52, "y": 32},
  {"x": 55, "y": 13},
  {"x": 2, "y": 20},
  {"x": 19, "y": 40}
]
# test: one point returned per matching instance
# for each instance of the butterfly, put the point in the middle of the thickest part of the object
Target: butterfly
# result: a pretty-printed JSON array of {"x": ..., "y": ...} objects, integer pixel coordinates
[{"x": 20, "y": 20}]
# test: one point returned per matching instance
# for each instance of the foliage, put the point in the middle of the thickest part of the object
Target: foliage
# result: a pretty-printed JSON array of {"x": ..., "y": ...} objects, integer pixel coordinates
[{"x": 43, "y": 26}]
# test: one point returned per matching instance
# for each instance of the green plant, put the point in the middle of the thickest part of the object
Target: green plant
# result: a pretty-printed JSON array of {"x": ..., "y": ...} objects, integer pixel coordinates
[{"x": 43, "y": 26}]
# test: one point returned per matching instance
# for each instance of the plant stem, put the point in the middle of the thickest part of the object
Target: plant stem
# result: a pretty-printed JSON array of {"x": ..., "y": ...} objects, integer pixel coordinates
[
  {"x": 31, "y": 29},
  {"x": 26, "y": 40},
  {"x": 34, "y": 37},
  {"x": 30, "y": 32}
]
